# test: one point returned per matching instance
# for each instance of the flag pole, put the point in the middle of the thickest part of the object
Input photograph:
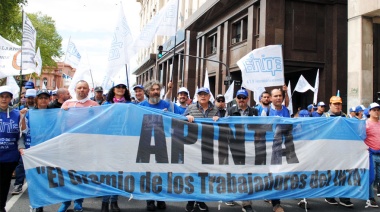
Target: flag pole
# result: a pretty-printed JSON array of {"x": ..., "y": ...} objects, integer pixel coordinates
[
  {"x": 22, "y": 36},
  {"x": 175, "y": 45}
]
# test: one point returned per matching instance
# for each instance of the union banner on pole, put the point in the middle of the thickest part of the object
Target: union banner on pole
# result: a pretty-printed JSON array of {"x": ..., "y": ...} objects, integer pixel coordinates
[
  {"x": 29, "y": 37},
  {"x": 262, "y": 67},
  {"x": 9, "y": 58},
  {"x": 72, "y": 56},
  {"x": 127, "y": 149}
]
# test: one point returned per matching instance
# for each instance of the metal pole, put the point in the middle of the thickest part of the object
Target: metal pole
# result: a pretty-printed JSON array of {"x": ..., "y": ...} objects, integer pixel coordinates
[{"x": 22, "y": 36}]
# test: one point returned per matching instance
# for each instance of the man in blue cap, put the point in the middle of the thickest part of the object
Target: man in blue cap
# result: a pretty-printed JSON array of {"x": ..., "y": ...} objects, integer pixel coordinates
[
  {"x": 139, "y": 93},
  {"x": 320, "y": 110},
  {"x": 359, "y": 112}
]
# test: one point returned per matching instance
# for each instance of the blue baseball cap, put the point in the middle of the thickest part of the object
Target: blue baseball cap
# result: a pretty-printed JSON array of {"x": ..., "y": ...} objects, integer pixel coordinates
[
  {"x": 321, "y": 104},
  {"x": 304, "y": 113},
  {"x": 309, "y": 107},
  {"x": 138, "y": 86},
  {"x": 358, "y": 109},
  {"x": 352, "y": 109},
  {"x": 373, "y": 105},
  {"x": 366, "y": 112},
  {"x": 204, "y": 90},
  {"x": 242, "y": 92}
]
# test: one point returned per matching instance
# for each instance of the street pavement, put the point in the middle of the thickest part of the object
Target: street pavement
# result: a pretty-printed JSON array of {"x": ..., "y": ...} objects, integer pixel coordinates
[{"x": 20, "y": 203}]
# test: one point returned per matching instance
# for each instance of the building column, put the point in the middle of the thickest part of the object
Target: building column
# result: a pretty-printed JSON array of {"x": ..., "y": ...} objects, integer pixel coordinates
[{"x": 360, "y": 61}]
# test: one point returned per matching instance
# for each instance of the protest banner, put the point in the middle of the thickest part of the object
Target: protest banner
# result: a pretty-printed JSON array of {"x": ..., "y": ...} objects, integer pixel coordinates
[{"x": 127, "y": 149}]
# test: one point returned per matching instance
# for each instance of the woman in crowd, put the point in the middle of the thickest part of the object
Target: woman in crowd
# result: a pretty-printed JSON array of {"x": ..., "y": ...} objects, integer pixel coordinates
[
  {"x": 117, "y": 94},
  {"x": 12, "y": 142},
  {"x": 41, "y": 101}
]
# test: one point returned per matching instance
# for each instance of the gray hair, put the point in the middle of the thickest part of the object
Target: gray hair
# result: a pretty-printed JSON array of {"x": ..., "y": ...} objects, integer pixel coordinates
[{"x": 148, "y": 85}]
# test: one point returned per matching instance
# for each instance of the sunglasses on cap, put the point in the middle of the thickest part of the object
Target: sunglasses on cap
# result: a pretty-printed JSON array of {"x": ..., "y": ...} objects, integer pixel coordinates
[
  {"x": 121, "y": 86},
  {"x": 241, "y": 97}
]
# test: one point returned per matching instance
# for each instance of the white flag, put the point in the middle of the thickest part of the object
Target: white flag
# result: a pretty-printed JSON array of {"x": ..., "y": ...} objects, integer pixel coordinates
[
  {"x": 29, "y": 36},
  {"x": 229, "y": 95},
  {"x": 163, "y": 23},
  {"x": 195, "y": 99},
  {"x": 9, "y": 58},
  {"x": 162, "y": 92},
  {"x": 72, "y": 55},
  {"x": 303, "y": 85},
  {"x": 290, "y": 106},
  {"x": 38, "y": 60},
  {"x": 121, "y": 49},
  {"x": 207, "y": 85},
  {"x": 262, "y": 67},
  {"x": 15, "y": 89},
  {"x": 256, "y": 94},
  {"x": 316, "y": 87}
]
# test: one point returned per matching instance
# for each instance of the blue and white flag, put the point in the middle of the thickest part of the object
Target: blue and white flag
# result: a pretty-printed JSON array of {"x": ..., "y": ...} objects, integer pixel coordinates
[
  {"x": 163, "y": 23},
  {"x": 72, "y": 55},
  {"x": 262, "y": 67},
  {"x": 29, "y": 37},
  {"x": 125, "y": 149}
]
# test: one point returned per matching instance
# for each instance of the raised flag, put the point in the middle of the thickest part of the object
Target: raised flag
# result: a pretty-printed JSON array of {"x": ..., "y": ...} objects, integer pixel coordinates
[
  {"x": 163, "y": 23},
  {"x": 11, "y": 82},
  {"x": 262, "y": 67},
  {"x": 29, "y": 36},
  {"x": 207, "y": 85},
  {"x": 9, "y": 58},
  {"x": 290, "y": 106},
  {"x": 38, "y": 60},
  {"x": 316, "y": 87},
  {"x": 303, "y": 85},
  {"x": 72, "y": 56},
  {"x": 195, "y": 99},
  {"x": 121, "y": 50},
  {"x": 229, "y": 95}
]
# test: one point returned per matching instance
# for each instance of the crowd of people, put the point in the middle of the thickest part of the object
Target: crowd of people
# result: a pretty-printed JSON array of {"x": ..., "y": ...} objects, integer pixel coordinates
[{"x": 273, "y": 103}]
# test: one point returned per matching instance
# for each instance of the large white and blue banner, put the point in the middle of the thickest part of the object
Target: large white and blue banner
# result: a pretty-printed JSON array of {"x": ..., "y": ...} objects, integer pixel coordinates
[
  {"x": 262, "y": 67},
  {"x": 126, "y": 149}
]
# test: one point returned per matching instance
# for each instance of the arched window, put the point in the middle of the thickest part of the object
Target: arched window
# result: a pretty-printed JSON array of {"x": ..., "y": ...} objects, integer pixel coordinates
[{"x": 53, "y": 83}]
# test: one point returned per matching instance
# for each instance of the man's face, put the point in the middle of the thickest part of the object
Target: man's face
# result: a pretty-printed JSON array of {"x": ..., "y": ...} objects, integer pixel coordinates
[
  {"x": 265, "y": 99},
  {"x": 139, "y": 93},
  {"x": 99, "y": 95},
  {"x": 203, "y": 97},
  {"x": 42, "y": 101},
  {"x": 82, "y": 90},
  {"x": 374, "y": 113},
  {"x": 336, "y": 108},
  {"x": 242, "y": 101},
  {"x": 5, "y": 99},
  {"x": 154, "y": 91},
  {"x": 321, "y": 109},
  {"x": 220, "y": 103},
  {"x": 277, "y": 98},
  {"x": 182, "y": 97},
  {"x": 65, "y": 95},
  {"x": 30, "y": 101}
]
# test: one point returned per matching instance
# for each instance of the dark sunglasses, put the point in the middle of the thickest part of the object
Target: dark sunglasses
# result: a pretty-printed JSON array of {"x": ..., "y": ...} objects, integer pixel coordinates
[
  {"x": 121, "y": 86},
  {"x": 220, "y": 100},
  {"x": 241, "y": 97}
]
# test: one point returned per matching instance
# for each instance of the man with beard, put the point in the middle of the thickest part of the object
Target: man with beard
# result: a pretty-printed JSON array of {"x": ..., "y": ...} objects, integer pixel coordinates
[
  {"x": 152, "y": 91},
  {"x": 30, "y": 95},
  {"x": 98, "y": 95},
  {"x": 63, "y": 95},
  {"x": 264, "y": 104}
]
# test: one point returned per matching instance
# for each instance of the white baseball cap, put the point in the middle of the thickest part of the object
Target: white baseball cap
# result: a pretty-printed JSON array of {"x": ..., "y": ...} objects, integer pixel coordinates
[
  {"x": 183, "y": 89},
  {"x": 6, "y": 89},
  {"x": 373, "y": 105}
]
